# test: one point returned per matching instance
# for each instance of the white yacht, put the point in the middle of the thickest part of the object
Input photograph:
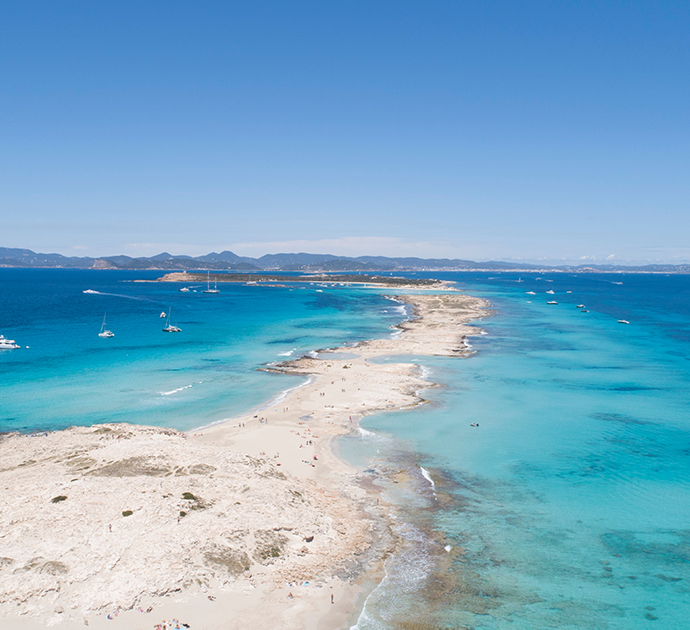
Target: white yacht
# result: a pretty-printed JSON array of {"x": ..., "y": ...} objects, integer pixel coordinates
[
  {"x": 550, "y": 291},
  {"x": 184, "y": 289},
  {"x": 104, "y": 331},
  {"x": 7, "y": 344},
  {"x": 170, "y": 327},
  {"x": 208, "y": 288},
  {"x": 552, "y": 302},
  {"x": 531, "y": 293}
]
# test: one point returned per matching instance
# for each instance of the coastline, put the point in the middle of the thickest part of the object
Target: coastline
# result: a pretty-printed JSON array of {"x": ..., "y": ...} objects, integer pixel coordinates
[{"x": 250, "y": 559}]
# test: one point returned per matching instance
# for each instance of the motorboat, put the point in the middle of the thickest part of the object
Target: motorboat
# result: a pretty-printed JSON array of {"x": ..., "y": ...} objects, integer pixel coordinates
[
  {"x": 584, "y": 311},
  {"x": 7, "y": 344},
  {"x": 170, "y": 327},
  {"x": 550, "y": 291},
  {"x": 104, "y": 331},
  {"x": 89, "y": 291},
  {"x": 552, "y": 302},
  {"x": 163, "y": 314},
  {"x": 208, "y": 288},
  {"x": 623, "y": 321},
  {"x": 531, "y": 293},
  {"x": 580, "y": 306},
  {"x": 184, "y": 289}
]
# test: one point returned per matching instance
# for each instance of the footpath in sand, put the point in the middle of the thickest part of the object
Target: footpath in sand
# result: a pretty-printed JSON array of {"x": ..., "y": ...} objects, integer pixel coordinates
[{"x": 253, "y": 523}]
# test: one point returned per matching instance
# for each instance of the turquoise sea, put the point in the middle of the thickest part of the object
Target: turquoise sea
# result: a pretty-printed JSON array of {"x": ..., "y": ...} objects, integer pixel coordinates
[
  {"x": 204, "y": 374},
  {"x": 567, "y": 507}
]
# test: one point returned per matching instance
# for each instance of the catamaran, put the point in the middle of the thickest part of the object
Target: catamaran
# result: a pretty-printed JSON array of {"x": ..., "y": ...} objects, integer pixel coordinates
[
  {"x": 208, "y": 288},
  {"x": 170, "y": 327},
  {"x": 104, "y": 331}
]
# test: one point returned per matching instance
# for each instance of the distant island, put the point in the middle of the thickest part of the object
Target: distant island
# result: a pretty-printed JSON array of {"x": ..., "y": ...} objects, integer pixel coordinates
[
  {"x": 310, "y": 263},
  {"x": 264, "y": 278}
]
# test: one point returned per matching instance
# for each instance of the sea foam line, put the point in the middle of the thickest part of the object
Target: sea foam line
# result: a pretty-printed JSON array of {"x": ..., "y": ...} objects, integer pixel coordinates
[
  {"x": 280, "y": 397},
  {"x": 272, "y": 402},
  {"x": 427, "y": 476},
  {"x": 174, "y": 391}
]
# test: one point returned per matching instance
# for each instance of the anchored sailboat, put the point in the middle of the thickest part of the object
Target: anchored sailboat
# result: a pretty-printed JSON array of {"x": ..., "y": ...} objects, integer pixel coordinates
[
  {"x": 104, "y": 331},
  {"x": 208, "y": 288},
  {"x": 170, "y": 327}
]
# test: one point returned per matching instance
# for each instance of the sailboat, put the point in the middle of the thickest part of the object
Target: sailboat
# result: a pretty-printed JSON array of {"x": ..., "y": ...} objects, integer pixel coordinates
[
  {"x": 208, "y": 284},
  {"x": 104, "y": 331},
  {"x": 170, "y": 327}
]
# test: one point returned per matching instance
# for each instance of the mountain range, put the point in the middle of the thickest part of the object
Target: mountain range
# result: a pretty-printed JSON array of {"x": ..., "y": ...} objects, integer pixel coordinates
[{"x": 228, "y": 261}]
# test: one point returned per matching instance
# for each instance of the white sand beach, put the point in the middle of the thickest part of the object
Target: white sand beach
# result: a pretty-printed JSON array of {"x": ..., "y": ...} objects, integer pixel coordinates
[{"x": 252, "y": 523}]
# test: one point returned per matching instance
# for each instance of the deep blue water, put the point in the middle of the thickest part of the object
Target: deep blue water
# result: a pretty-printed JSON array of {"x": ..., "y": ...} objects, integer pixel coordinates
[{"x": 206, "y": 373}]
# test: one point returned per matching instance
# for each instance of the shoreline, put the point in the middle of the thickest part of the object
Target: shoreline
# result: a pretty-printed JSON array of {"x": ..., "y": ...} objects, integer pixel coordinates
[{"x": 310, "y": 518}]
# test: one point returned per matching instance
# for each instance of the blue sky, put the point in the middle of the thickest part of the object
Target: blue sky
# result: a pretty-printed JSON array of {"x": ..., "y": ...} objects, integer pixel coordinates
[{"x": 482, "y": 130}]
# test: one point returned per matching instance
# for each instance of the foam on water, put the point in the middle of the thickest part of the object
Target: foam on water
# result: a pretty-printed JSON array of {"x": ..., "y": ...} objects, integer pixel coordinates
[
  {"x": 427, "y": 476},
  {"x": 567, "y": 506},
  {"x": 70, "y": 376},
  {"x": 179, "y": 389}
]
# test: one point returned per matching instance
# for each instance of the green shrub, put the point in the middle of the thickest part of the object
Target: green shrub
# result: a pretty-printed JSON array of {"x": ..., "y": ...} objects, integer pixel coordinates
[
  {"x": 127, "y": 513},
  {"x": 59, "y": 498}
]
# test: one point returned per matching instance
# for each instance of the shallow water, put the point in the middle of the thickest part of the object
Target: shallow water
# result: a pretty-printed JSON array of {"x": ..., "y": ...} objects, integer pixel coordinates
[
  {"x": 569, "y": 505},
  {"x": 204, "y": 374}
]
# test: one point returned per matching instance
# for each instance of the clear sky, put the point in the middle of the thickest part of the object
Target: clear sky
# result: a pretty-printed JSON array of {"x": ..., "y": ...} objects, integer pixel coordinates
[{"x": 472, "y": 129}]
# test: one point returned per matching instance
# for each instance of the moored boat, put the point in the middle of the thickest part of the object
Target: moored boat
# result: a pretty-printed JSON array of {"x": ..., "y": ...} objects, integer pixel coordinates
[
  {"x": 7, "y": 344},
  {"x": 104, "y": 331},
  {"x": 208, "y": 288},
  {"x": 170, "y": 327}
]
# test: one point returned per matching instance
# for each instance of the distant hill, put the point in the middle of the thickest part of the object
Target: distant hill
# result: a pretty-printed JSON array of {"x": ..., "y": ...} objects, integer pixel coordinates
[{"x": 228, "y": 261}]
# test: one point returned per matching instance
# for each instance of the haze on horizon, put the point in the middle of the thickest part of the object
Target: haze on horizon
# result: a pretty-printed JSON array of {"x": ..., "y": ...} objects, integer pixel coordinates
[{"x": 543, "y": 132}]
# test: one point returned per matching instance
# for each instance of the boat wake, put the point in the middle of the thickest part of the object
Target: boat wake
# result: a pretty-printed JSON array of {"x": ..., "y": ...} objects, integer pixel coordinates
[{"x": 128, "y": 297}]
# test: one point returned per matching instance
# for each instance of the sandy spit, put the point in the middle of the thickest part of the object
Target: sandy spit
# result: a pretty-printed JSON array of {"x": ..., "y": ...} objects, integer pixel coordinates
[{"x": 253, "y": 523}]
